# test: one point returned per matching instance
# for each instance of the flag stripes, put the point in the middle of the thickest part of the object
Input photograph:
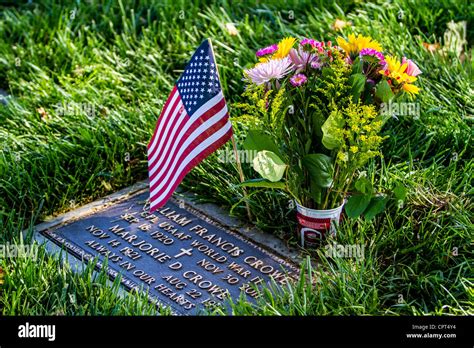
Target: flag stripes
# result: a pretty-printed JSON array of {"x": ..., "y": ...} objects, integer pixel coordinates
[{"x": 194, "y": 122}]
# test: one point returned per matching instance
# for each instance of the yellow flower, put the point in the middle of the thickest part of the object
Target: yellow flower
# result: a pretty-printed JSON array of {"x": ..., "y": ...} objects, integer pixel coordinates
[
  {"x": 367, "y": 128},
  {"x": 342, "y": 156},
  {"x": 411, "y": 89},
  {"x": 284, "y": 47},
  {"x": 355, "y": 44},
  {"x": 363, "y": 138},
  {"x": 354, "y": 149},
  {"x": 396, "y": 70}
]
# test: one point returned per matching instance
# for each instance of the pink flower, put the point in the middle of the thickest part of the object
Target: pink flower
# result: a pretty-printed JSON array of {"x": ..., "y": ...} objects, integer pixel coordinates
[
  {"x": 374, "y": 53},
  {"x": 371, "y": 52},
  {"x": 301, "y": 58},
  {"x": 412, "y": 68},
  {"x": 298, "y": 80},
  {"x": 267, "y": 50},
  {"x": 265, "y": 72},
  {"x": 311, "y": 42}
]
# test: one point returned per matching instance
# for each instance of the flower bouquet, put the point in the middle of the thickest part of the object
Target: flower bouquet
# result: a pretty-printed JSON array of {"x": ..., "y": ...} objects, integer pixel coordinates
[{"x": 316, "y": 110}]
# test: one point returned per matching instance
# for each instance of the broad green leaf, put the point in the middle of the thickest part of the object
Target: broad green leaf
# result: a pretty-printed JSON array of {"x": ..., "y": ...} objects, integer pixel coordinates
[
  {"x": 257, "y": 140},
  {"x": 356, "y": 205},
  {"x": 269, "y": 165},
  {"x": 316, "y": 192},
  {"x": 376, "y": 206},
  {"x": 400, "y": 192},
  {"x": 332, "y": 131},
  {"x": 263, "y": 183},
  {"x": 383, "y": 91},
  {"x": 320, "y": 169},
  {"x": 357, "y": 82},
  {"x": 363, "y": 185}
]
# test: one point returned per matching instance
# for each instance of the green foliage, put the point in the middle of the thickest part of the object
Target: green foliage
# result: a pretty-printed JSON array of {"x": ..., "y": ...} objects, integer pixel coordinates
[
  {"x": 333, "y": 131},
  {"x": 269, "y": 165},
  {"x": 356, "y": 205},
  {"x": 383, "y": 91},
  {"x": 320, "y": 168},
  {"x": 263, "y": 183},
  {"x": 257, "y": 140}
]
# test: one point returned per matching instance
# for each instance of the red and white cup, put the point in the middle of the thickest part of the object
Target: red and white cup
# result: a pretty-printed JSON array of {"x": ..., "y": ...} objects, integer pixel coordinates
[{"x": 314, "y": 225}]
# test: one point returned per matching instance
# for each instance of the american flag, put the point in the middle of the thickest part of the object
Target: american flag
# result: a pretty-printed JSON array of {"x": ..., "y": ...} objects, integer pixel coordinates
[{"x": 194, "y": 123}]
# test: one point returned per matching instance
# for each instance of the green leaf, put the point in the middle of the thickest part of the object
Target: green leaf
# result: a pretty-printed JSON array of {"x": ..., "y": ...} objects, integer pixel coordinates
[
  {"x": 363, "y": 185},
  {"x": 263, "y": 183},
  {"x": 400, "y": 192},
  {"x": 383, "y": 91},
  {"x": 316, "y": 192},
  {"x": 269, "y": 165},
  {"x": 320, "y": 169},
  {"x": 357, "y": 82},
  {"x": 356, "y": 205},
  {"x": 376, "y": 206},
  {"x": 332, "y": 131},
  {"x": 257, "y": 140},
  {"x": 357, "y": 66}
]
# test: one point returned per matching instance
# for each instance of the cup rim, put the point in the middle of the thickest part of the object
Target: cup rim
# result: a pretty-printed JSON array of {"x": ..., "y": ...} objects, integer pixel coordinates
[{"x": 333, "y": 210}]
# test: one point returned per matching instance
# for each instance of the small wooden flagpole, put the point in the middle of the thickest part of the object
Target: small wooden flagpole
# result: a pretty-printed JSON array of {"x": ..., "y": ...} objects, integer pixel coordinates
[{"x": 236, "y": 153}]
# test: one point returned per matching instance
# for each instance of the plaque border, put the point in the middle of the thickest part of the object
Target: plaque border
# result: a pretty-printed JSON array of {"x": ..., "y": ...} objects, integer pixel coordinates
[{"x": 44, "y": 234}]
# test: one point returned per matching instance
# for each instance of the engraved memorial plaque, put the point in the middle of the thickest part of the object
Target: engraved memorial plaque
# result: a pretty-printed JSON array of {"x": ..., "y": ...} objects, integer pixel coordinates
[{"x": 183, "y": 258}]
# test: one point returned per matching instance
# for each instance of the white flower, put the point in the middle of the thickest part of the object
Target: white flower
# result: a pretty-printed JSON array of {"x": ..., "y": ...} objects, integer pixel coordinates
[
  {"x": 273, "y": 69},
  {"x": 231, "y": 29}
]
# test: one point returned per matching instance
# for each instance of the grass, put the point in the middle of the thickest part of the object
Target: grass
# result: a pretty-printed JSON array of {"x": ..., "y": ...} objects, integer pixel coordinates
[{"x": 119, "y": 59}]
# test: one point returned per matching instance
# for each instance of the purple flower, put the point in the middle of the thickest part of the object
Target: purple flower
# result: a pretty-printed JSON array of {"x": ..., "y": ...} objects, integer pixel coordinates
[
  {"x": 301, "y": 59},
  {"x": 316, "y": 63},
  {"x": 298, "y": 80},
  {"x": 311, "y": 42},
  {"x": 373, "y": 53},
  {"x": 267, "y": 50}
]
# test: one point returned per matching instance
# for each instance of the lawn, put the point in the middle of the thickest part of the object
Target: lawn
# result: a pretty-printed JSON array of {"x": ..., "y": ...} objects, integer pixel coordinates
[{"x": 86, "y": 82}]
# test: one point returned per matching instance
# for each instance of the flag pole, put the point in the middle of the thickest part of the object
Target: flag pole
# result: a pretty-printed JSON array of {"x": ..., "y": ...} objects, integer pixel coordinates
[{"x": 236, "y": 154}]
